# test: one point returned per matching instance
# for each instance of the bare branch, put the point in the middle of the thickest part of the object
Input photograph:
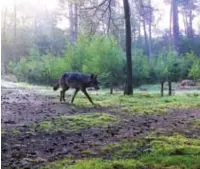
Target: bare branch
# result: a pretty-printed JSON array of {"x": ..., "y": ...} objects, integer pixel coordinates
[{"x": 96, "y": 6}]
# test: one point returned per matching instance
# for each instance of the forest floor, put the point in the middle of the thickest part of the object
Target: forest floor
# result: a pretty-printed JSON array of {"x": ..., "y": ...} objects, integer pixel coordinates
[{"x": 140, "y": 131}]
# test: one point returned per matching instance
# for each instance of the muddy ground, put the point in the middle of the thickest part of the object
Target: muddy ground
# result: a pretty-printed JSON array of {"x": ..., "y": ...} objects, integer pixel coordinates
[{"x": 21, "y": 108}]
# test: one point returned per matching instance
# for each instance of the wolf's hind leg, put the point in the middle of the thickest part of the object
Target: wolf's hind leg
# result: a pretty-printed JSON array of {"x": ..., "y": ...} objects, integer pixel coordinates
[{"x": 61, "y": 95}]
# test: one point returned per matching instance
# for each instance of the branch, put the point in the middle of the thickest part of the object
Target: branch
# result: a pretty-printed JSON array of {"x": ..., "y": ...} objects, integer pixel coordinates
[
  {"x": 96, "y": 6},
  {"x": 109, "y": 8}
]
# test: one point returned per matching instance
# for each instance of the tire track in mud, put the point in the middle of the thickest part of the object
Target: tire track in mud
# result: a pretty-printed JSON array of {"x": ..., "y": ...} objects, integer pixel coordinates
[{"x": 21, "y": 108}]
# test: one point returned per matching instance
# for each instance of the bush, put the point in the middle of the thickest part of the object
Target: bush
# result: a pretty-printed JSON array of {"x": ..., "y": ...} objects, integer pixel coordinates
[
  {"x": 194, "y": 71},
  {"x": 141, "y": 68},
  {"x": 40, "y": 69}
]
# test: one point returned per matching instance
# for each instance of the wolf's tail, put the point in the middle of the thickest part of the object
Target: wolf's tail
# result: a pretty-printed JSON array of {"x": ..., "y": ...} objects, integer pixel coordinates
[{"x": 57, "y": 85}]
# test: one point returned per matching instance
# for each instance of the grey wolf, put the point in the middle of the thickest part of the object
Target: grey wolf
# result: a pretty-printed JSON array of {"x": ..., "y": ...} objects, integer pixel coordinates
[{"x": 78, "y": 81}]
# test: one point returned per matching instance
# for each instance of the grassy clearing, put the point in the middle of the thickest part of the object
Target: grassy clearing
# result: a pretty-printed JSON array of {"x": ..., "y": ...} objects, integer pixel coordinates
[
  {"x": 175, "y": 152},
  {"x": 76, "y": 122},
  {"x": 143, "y": 102}
]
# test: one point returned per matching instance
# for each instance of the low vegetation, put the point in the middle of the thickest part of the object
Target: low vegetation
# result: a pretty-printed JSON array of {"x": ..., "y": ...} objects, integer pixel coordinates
[
  {"x": 174, "y": 152},
  {"x": 101, "y": 55},
  {"x": 76, "y": 122},
  {"x": 142, "y": 102}
]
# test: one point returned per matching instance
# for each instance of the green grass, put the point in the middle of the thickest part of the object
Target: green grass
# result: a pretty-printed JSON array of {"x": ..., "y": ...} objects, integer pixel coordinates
[
  {"x": 142, "y": 103},
  {"x": 174, "y": 152},
  {"x": 196, "y": 123},
  {"x": 76, "y": 122}
]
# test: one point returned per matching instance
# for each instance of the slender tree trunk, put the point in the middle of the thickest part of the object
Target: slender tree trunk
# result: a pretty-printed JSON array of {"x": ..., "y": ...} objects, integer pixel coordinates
[
  {"x": 175, "y": 25},
  {"x": 170, "y": 29},
  {"x": 185, "y": 23},
  {"x": 4, "y": 25},
  {"x": 170, "y": 88},
  {"x": 15, "y": 31},
  {"x": 129, "y": 87},
  {"x": 76, "y": 13},
  {"x": 71, "y": 22},
  {"x": 15, "y": 23},
  {"x": 149, "y": 42},
  {"x": 4, "y": 43},
  {"x": 162, "y": 88},
  {"x": 150, "y": 39},
  {"x": 145, "y": 38},
  {"x": 190, "y": 28},
  {"x": 111, "y": 89}
]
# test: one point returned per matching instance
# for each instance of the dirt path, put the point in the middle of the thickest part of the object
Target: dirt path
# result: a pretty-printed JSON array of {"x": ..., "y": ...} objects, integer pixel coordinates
[{"x": 23, "y": 107}]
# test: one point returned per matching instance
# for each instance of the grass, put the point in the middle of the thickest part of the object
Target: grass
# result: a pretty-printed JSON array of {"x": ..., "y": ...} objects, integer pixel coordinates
[
  {"x": 196, "y": 123},
  {"x": 143, "y": 102},
  {"x": 174, "y": 152},
  {"x": 76, "y": 122}
]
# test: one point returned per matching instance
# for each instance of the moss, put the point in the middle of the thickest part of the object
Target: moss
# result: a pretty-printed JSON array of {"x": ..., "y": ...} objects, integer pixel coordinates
[
  {"x": 174, "y": 152},
  {"x": 64, "y": 163},
  {"x": 15, "y": 132},
  {"x": 148, "y": 103},
  {"x": 196, "y": 123},
  {"x": 77, "y": 122}
]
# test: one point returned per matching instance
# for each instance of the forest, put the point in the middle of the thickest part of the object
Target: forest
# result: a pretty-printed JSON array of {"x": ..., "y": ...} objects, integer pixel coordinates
[{"x": 143, "y": 56}]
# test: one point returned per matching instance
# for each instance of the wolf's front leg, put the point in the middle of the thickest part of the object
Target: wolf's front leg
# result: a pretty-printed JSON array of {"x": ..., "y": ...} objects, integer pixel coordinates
[
  {"x": 76, "y": 91},
  {"x": 64, "y": 90},
  {"x": 85, "y": 92}
]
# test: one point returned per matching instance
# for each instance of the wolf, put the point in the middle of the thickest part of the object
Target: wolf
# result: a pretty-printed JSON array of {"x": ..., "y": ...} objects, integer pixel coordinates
[{"x": 78, "y": 81}]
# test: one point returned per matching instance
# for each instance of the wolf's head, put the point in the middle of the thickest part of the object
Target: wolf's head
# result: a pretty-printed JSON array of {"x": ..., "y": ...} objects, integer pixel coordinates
[{"x": 94, "y": 82}]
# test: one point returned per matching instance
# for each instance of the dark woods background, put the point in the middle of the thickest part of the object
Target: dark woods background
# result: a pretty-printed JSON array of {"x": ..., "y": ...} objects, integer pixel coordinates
[{"x": 40, "y": 43}]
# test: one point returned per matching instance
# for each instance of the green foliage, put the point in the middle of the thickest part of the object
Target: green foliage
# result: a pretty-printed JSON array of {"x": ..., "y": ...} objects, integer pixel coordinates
[
  {"x": 40, "y": 69},
  {"x": 102, "y": 56},
  {"x": 141, "y": 67},
  {"x": 99, "y": 55},
  {"x": 11, "y": 67},
  {"x": 167, "y": 66},
  {"x": 194, "y": 71}
]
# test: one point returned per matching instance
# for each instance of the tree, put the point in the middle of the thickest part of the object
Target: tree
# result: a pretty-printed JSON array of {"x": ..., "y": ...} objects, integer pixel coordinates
[
  {"x": 128, "y": 87},
  {"x": 167, "y": 68},
  {"x": 194, "y": 71},
  {"x": 175, "y": 21}
]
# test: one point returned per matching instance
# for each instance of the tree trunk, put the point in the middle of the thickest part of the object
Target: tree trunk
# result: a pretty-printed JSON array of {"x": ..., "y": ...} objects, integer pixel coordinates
[
  {"x": 190, "y": 26},
  {"x": 162, "y": 88},
  {"x": 170, "y": 88},
  {"x": 150, "y": 24},
  {"x": 15, "y": 22},
  {"x": 170, "y": 29},
  {"x": 128, "y": 87},
  {"x": 75, "y": 21},
  {"x": 175, "y": 25},
  {"x": 111, "y": 89},
  {"x": 185, "y": 23},
  {"x": 150, "y": 40},
  {"x": 14, "y": 32},
  {"x": 4, "y": 26},
  {"x": 145, "y": 38},
  {"x": 72, "y": 21}
]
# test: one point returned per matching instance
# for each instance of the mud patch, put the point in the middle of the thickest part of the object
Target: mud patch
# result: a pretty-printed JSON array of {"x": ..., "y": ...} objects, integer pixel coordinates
[{"x": 22, "y": 108}]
